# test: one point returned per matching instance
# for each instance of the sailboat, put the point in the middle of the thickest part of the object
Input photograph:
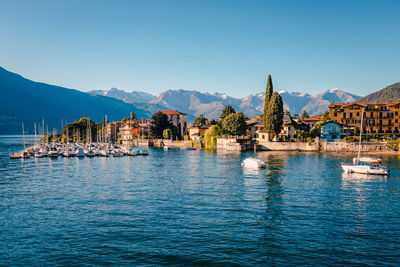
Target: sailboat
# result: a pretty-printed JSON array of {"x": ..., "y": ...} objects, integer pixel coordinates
[{"x": 365, "y": 165}]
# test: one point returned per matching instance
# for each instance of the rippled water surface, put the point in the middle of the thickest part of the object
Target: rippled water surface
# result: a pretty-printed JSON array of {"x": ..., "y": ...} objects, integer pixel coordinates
[{"x": 196, "y": 208}]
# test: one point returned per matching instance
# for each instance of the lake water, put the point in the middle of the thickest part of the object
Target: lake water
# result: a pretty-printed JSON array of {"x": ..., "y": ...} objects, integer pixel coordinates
[{"x": 196, "y": 208}]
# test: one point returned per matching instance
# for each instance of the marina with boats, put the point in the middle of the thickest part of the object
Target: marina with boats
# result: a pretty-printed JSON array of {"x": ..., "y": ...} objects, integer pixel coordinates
[{"x": 54, "y": 150}]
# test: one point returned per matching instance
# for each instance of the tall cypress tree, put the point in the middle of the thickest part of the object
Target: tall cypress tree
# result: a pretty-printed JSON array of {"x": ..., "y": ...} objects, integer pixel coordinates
[
  {"x": 275, "y": 114},
  {"x": 268, "y": 94}
]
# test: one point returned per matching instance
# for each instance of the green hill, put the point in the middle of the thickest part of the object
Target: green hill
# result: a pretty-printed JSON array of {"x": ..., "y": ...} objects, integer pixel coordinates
[{"x": 390, "y": 93}]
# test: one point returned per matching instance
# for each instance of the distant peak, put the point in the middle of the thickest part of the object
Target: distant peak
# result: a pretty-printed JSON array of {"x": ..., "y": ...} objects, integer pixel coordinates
[
  {"x": 283, "y": 92},
  {"x": 333, "y": 90}
]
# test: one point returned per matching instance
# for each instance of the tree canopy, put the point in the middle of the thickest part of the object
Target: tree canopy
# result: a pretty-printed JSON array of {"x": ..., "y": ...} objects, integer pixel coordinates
[
  {"x": 304, "y": 115},
  {"x": 159, "y": 122},
  {"x": 228, "y": 110},
  {"x": 234, "y": 124},
  {"x": 316, "y": 129},
  {"x": 274, "y": 116},
  {"x": 268, "y": 94},
  {"x": 200, "y": 120},
  {"x": 131, "y": 117},
  {"x": 210, "y": 137}
]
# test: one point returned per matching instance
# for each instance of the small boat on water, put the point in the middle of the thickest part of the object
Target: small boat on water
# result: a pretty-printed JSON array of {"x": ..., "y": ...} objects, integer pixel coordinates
[
  {"x": 365, "y": 168},
  {"x": 15, "y": 156},
  {"x": 253, "y": 163},
  {"x": 364, "y": 165},
  {"x": 118, "y": 154},
  {"x": 80, "y": 153}
]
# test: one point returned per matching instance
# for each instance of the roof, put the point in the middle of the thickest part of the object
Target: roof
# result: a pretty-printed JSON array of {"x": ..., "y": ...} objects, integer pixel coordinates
[
  {"x": 202, "y": 126},
  {"x": 172, "y": 112},
  {"x": 287, "y": 120},
  {"x": 390, "y": 103},
  {"x": 313, "y": 118}
]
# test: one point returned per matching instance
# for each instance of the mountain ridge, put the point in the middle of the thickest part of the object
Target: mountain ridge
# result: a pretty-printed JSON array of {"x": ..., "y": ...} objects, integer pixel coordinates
[
  {"x": 24, "y": 100},
  {"x": 194, "y": 102},
  {"x": 389, "y": 93}
]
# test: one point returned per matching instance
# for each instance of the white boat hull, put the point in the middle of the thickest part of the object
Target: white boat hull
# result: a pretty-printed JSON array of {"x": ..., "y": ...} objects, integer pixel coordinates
[
  {"x": 253, "y": 163},
  {"x": 363, "y": 169}
]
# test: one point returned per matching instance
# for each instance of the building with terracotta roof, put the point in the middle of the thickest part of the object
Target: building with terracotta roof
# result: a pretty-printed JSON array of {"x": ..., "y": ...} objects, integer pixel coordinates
[
  {"x": 288, "y": 130},
  {"x": 311, "y": 121},
  {"x": 379, "y": 117},
  {"x": 178, "y": 119}
]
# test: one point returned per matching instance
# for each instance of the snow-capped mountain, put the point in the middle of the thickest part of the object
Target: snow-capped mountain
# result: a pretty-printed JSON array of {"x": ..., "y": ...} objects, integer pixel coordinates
[
  {"x": 128, "y": 97},
  {"x": 195, "y": 103}
]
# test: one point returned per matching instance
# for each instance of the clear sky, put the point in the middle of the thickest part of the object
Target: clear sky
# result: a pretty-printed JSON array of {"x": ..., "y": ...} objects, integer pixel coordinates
[{"x": 215, "y": 46}]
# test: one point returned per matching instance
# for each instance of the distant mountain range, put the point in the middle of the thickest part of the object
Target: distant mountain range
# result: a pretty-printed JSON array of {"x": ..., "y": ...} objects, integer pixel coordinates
[
  {"x": 22, "y": 100},
  {"x": 390, "y": 93},
  {"x": 195, "y": 103},
  {"x": 131, "y": 97}
]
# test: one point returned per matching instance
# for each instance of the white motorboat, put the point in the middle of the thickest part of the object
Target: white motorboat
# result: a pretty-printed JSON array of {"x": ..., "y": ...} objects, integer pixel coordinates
[
  {"x": 365, "y": 169},
  {"x": 253, "y": 163}
]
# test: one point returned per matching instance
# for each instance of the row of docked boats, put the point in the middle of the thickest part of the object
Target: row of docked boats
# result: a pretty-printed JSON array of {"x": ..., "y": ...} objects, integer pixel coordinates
[{"x": 54, "y": 150}]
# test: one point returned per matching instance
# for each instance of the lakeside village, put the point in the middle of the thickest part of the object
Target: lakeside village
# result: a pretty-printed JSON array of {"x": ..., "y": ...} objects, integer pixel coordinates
[{"x": 337, "y": 130}]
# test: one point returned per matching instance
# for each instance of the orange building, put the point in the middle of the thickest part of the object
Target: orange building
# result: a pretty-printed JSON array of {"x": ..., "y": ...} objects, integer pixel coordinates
[{"x": 379, "y": 117}]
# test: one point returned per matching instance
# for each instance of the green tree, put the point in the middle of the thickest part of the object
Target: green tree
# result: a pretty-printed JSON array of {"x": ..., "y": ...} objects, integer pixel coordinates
[
  {"x": 210, "y": 137},
  {"x": 296, "y": 116},
  {"x": 159, "y": 122},
  {"x": 131, "y": 117},
  {"x": 200, "y": 120},
  {"x": 316, "y": 129},
  {"x": 228, "y": 110},
  {"x": 268, "y": 95},
  {"x": 78, "y": 130},
  {"x": 234, "y": 124},
  {"x": 304, "y": 115},
  {"x": 274, "y": 116},
  {"x": 287, "y": 113}
]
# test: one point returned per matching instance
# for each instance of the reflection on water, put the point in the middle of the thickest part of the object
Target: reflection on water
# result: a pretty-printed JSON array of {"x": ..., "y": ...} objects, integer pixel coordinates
[{"x": 196, "y": 208}]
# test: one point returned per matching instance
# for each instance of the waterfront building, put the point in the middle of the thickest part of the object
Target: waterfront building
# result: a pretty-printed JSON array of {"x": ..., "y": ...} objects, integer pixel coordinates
[
  {"x": 112, "y": 131},
  {"x": 311, "y": 121},
  {"x": 178, "y": 119},
  {"x": 288, "y": 130},
  {"x": 253, "y": 125},
  {"x": 379, "y": 117},
  {"x": 332, "y": 131},
  {"x": 196, "y": 130},
  {"x": 126, "y": 133}
]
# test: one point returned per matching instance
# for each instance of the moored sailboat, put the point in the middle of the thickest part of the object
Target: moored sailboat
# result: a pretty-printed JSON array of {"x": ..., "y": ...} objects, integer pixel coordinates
[{"x": 364, "y": 165}]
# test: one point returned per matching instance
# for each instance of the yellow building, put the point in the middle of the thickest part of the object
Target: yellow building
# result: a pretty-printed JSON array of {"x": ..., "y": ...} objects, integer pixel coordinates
[{"x": 379, "y": 117}]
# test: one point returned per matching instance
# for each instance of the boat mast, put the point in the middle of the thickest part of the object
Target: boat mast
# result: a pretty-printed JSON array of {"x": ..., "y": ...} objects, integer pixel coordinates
[
  {"x": 23, "y": 133},
  {"x": 361, "y": 129},
  {"x": 34, "y": 124}
]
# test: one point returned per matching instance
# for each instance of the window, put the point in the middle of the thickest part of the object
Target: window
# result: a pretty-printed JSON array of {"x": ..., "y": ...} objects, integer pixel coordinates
[
  {"x": 263, "y": 136},
  {"x": 335, "y": 114},
  {"x": 351, "y": 115},
  {"x": 358, "y": 113}
]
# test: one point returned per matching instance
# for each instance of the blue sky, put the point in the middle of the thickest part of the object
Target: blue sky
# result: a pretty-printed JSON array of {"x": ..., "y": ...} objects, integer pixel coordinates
[{"x": 214, "y": 46}]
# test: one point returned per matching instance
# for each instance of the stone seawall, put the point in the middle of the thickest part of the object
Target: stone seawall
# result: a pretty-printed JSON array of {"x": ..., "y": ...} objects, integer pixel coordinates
[
  {"x": 326, "y": 147},
  {"x": 372, "y": 147},
  {"x": 233, "y": 144},
  {"x": 288, "y": 146}
]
